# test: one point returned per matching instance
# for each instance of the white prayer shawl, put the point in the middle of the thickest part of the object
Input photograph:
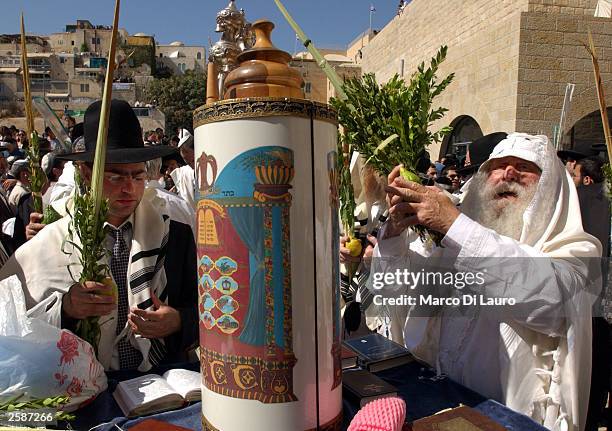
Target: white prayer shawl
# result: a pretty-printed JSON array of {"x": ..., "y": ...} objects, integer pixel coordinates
[
  {"x": 177, "y": 207},
  {"x": 184, "y": 181},
  {"x": 45, "y": 276},
  {"x": 19, "y": 191},
  {"x": 65, "y": 184},
  {"x": 544, "y": 375}
]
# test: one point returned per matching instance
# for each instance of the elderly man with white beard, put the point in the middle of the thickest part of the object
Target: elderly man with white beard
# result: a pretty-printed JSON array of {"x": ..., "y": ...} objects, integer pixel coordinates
[{"x": 520, "y": 228}]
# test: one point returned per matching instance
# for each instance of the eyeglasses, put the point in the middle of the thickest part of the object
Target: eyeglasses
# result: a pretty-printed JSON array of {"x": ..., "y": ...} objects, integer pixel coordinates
[{"x": 117, "y": 179}]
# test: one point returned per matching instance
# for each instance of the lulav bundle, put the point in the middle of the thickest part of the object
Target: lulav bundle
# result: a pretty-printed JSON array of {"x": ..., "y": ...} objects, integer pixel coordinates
[
  {"x": 389, "y": 124},
  {"x": 90, "y": 207},
  {"x": 86, "y": 225},
  {"x": 37, "y": 176}
]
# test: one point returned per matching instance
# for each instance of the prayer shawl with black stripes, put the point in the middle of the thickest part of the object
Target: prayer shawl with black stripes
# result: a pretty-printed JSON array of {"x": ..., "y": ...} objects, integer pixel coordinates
[{"x": 46, "y": 274}]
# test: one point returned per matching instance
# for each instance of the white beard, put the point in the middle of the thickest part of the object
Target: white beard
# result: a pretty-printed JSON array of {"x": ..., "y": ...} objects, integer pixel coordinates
[{"x": 504, "y": 216}]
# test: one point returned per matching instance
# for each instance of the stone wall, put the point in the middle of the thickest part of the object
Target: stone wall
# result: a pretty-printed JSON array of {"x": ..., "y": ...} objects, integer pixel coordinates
[
  {"x": 587, "y": 131},
  {"x": 566, "y": 7},
  {"x": 512, "y": 58},
  {"x": 551, "y": 56},
  {"x": 483, "y": 52}
]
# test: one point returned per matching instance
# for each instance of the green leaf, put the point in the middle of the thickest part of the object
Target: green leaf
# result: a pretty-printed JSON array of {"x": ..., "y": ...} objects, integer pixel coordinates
[
  {"x": 388, "y": 124},
  {"x": 386, "y": 142}
]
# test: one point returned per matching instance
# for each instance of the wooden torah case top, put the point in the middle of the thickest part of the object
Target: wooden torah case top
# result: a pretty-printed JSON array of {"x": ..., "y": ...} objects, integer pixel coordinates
[{"x": 264, "y": 70}]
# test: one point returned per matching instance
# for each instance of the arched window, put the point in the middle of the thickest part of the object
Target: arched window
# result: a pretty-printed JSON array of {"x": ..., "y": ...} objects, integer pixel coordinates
[
  {"x": 465, "y": 130},
  {"x": 199, "y": 56},
  {"x": 585, "y": 133}
]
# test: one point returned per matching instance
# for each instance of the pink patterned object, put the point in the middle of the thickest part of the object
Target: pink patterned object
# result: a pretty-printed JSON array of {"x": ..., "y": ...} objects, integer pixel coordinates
[{"x": 384, "y": 414}]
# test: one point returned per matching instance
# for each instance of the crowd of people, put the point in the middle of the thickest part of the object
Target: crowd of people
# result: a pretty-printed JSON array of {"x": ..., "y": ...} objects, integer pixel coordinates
[{"x": 511, "y": 199}]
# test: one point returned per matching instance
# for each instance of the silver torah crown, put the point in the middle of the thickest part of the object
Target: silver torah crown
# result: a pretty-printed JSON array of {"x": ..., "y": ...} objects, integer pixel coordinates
[{"x": 236, "y": 36}]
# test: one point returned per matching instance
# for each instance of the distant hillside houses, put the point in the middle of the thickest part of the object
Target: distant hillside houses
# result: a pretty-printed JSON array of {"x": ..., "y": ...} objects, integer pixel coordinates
[{"x": 68, "y": 68}]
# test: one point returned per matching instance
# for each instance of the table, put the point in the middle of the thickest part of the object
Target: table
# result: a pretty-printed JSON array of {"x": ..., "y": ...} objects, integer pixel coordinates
[{"x": 424, "y": 393}]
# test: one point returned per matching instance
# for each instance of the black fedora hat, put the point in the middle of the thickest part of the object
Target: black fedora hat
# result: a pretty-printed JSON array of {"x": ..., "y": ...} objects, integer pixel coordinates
[
  {"x": 124, "y": 144},
  {"x": 575, "y": 155},
  {"x": 480, "y": 149},
  {"x": 175, "y": 155}
]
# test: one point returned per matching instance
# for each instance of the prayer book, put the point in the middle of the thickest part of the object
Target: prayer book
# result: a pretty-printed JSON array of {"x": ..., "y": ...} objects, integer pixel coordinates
[
  {"x": 362, "y": 386},
  {"x": 459, "y": 419},
  {"x": 349, "y": 358},
  {"x": 378, "y": 353},
  {"x": 153, "y": 394}
]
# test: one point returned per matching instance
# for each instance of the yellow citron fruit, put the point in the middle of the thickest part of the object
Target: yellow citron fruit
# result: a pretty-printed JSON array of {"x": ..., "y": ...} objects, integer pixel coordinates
[
  {"x": 354, "y": 247},
  {"x": 108, "y": 282},
  {"x": 410, "y": 176}
]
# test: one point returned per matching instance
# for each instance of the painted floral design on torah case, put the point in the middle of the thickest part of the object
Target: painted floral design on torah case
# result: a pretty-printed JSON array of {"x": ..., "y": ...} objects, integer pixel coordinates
[{"x": 244, "y": 275}]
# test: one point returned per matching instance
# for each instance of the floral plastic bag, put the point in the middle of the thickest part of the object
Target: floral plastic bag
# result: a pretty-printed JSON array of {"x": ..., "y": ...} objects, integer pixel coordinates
[{"x": 39, "y": 360}]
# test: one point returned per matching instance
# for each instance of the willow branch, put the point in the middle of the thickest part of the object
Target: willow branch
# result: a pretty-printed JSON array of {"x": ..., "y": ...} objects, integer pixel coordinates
[
  {"x": 600, "y": 95},
  {"x": 323, "y": 64},
  {"x": 97, "y": 181}
]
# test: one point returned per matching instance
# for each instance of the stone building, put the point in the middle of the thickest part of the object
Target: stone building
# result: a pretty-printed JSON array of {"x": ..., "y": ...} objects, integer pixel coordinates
[
  {"x": 49, "y": 75},
  {"x": 316, "y": 85},
  {"x": 512, "y": 62},
  {"x": 84, "y": 37},
  {"x": 179, "y": 58},
  {"x": 10, "y": 84},
  {"x": 355, "y": 48},
  {"x": 86, "y": 86},
  {"x": 10, "y": 44}
]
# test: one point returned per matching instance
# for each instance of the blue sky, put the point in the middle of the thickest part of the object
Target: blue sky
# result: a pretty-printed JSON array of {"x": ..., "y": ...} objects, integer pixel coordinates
[{"x": 331, "y": 23}]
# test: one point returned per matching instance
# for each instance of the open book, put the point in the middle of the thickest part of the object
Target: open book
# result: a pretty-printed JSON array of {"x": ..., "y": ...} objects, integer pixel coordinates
[{"x": 152, "y": 393}]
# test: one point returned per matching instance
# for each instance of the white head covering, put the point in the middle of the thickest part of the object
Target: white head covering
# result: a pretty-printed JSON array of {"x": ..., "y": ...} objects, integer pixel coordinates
[
  {"x": 548, "y": 227},
  {"x": 521, "y": 145},
  {"x": 184, "y": 136},
  {"x": 47, "y": 163}
]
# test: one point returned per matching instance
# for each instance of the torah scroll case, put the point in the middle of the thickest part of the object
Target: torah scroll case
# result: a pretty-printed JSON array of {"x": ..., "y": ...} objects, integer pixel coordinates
[{"x": 267, "y": 240}]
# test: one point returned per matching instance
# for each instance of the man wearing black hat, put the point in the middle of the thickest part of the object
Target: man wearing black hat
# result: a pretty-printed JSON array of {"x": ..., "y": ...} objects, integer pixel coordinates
[
  {"x": 152, "y": 259},
  {"x": 170, "y": 164},
  {"x": 478, "y": 152},
  {"x": 571, "y": 157}
]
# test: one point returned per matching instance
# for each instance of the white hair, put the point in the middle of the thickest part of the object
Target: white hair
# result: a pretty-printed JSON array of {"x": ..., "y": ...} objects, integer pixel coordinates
[
  {"x": 503, "y": 216},
  {"x": 153, "y": 168}
]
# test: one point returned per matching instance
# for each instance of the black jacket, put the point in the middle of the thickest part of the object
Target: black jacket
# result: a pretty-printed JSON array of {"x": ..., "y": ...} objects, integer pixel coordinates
[{"x": 182, "y": 289}]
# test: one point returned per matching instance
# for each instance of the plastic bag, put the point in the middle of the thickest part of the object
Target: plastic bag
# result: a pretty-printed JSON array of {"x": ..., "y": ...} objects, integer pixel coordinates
[{"x": 39, "y": 360}]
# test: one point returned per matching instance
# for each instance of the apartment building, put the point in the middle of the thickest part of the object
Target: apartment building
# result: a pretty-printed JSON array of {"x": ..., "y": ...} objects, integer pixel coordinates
[{"x": 179, "y": 58}]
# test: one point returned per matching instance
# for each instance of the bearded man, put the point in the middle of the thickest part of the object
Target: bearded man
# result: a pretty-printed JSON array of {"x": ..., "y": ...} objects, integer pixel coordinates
[{"x": 520, "y": 229}]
